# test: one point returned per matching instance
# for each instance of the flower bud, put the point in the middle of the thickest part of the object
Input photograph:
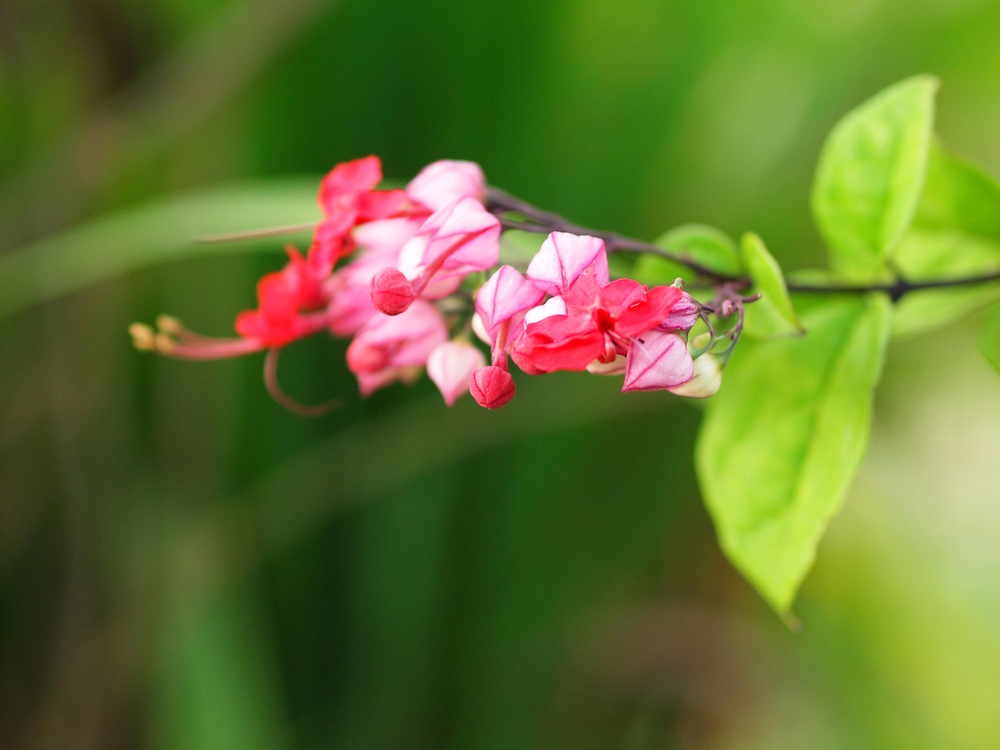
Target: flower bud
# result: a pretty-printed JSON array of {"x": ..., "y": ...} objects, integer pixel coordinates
[
  {"x": 492, "y": 387},
  {"x": 706, "y": 380},
  {"x": 391, "y": 292},
  {"x": 363, "y": 357}
]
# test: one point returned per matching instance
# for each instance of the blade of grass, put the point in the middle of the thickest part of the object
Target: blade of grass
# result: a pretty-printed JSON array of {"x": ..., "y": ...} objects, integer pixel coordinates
[{"x": 163, "y": 231}]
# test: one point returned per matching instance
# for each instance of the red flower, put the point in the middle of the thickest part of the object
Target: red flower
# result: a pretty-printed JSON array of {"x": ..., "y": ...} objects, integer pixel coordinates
[
  {"x": 599, "y": 324},
  {"x": 347, "y": 197},
  {"x": 282, "y": 298}
]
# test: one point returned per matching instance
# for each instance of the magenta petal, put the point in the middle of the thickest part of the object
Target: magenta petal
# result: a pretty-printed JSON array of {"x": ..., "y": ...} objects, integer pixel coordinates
[
  {"x": 657, "y": 360},
  {"x": 682, "y": 315},
  {"x": 563, "y": 257},
  {"x": 505, "y": 294}
]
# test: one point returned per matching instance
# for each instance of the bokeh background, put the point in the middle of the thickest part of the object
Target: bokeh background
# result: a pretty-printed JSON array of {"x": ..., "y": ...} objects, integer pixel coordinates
[{"x": 185, "y": 565}]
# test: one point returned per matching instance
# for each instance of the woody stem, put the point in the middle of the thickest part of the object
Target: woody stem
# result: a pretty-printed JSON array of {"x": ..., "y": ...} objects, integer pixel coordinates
[{"x": 500, "y": 203}]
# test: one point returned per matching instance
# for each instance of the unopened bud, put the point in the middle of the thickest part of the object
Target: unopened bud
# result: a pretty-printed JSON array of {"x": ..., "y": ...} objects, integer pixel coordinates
[
  {"x": 706, "y": 380},
  {"x": 391, "y": 292},
  {"x": 492, "y": 387},
  {"x": 143, "y": 337},
  {"x": 362, "y": 357}
]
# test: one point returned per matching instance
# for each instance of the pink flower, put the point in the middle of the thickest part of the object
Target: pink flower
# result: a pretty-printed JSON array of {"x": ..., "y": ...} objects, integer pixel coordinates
[
  {"x": 444, "y": 182},
  {"x": 506, "y": 294},
  {"x": 563, "y": 257},
  {"x": 347, "y": 197},
  {"x": 451, "y": 366},
  {"x": 459, "y": 239},
  {"x": 599, "y": 324},
  {"x": 657, "y": 360},
  {"x": 390, "y": 348}
]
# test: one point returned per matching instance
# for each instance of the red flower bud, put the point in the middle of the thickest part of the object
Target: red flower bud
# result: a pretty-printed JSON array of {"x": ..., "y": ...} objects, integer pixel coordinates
[
  {"x": 391, "y": 293},
  {"x": 492, "y": 387}
]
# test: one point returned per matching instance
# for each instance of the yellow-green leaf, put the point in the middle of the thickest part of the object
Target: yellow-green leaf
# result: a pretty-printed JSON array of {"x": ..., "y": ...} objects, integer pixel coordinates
[
  {"x": 871, "y": 173},
  {"x": 784, "y": 436},
  {"x": 772, "y": 314}
]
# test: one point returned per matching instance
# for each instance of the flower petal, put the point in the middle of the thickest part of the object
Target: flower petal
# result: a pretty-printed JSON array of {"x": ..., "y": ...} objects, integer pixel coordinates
[
  {"x": 563, "y": 257},
  {"x": 505, "y": 294},
  {"x": 657, "y": 360},
  {"x": 451, "y": 365},
  {"x": 443, "y": 182}
]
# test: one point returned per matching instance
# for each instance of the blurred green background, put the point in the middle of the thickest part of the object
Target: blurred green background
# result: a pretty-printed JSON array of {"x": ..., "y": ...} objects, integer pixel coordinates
[{"x": 183, "y": 564}]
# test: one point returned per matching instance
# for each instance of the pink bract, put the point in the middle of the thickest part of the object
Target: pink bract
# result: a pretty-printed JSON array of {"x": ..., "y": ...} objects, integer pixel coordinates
[
  {"x": 451, "y": 366},
  {"x": 443, "y": 182},
  {"x": 657, "y": 360},
  {"x": 563, "y": 258}
]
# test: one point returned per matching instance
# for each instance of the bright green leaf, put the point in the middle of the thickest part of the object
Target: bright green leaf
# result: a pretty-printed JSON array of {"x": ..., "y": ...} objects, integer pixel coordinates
[
  {"x": 871, "y": 173},
  {"x": 702, "y": 244},
  {"x": 783, "y": 439},
  {"x": 160, "y": 232},
  {"x": 772, "y": 314},
  {"x": 955, "y": 233},
  {"x": 989, "y": 340}
]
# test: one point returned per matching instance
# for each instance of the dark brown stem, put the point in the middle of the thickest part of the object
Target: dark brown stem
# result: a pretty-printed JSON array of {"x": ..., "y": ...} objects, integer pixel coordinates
[{"x": 500, "y": 202}]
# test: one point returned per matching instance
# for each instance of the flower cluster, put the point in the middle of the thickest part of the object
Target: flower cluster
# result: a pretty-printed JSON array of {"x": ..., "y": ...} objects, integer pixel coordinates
[{"x": 405, "y": 299}]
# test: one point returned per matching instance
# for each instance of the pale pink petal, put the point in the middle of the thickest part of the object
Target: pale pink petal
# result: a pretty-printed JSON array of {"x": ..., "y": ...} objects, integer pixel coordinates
[
  {"x": 563, "y": 257},
  {"x": 369, "y": 382},
  {"x": 480, "y": 330},
  {"x": 450, "y": 365},
  {"x": 657, "y": 360},
  {"x": 463, "y": 237},
  {"x": 442, "y": 182},
  {"x": 505, "y": 294},
  {"x": 552, "y": 306},
  {"x": 386, "y": 235},
  {"x": 402, "y": 340}
]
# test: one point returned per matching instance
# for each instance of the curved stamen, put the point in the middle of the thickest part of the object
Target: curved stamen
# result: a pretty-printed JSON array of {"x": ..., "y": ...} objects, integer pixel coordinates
[{"x": 271, "y": 381}]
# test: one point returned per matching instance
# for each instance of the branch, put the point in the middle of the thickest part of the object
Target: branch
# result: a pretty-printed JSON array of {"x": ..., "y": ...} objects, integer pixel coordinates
[{"x": 499, "y": 202}]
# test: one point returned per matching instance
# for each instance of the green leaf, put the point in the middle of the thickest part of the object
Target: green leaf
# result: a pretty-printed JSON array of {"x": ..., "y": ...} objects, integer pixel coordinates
[
  {"x": 772, "y": 314},
  {"x": 112, "y": 246},
  {"x": 871, "y": 173},
  {"x": 702, "y": 244},
  {"x": 955, "y": 233},
  {"x": 989, "y": 339},
  {"x": 783, "y": 439}
]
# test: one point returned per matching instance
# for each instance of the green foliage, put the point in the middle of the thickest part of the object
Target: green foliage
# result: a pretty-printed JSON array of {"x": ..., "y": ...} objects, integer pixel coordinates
[
  {"x": 783, "y": 439},
  {"x": 772, "y": 314},
  {"x": 159, "y": 232},
  {"x": 955, "y": 233},
  {"x": 708, "y": 246},
  {"x": 989, "y": 339},
  {"x": 871, "y": 173}
]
